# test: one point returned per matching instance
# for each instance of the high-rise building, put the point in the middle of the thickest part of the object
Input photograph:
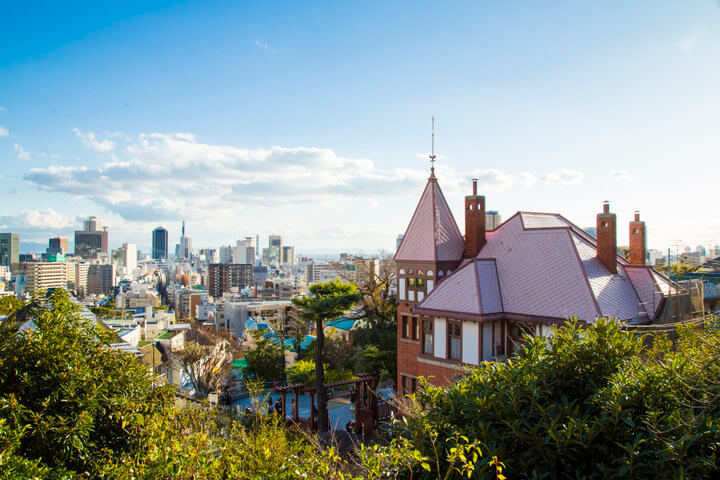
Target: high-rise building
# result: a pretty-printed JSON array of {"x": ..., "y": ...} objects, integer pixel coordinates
[
  {"x": 129, "y": 257},
  {"x": 230, "y": 277},
  {"x": 92, "y": 240},
  {"x": 321, "y": 272},
  {"x": 81, "y": 277},
  {"x": 240, "y": 252},
  {"x": 185, "y": 250},
  {"x": 9, "y": 249},
  {"x": 160, "y": 244},
  {"x": 101, "y": 279},
  {"x": 275, "y": 245},
  {"x": 45, "y": 275},
  {"x": 492, "y": 219},
  {"x": 57, "y": 245},
  {"x": 288, "y": 256},
  {"x": 249, "y": 250},
  {"x": 211, "y": 255},
  {"x": 225, "y": 252}
]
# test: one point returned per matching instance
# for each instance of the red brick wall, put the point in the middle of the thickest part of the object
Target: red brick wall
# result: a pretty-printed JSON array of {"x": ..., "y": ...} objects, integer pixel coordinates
[
  {"x": 474, "y": 224},
  {"x": 637, "y": 241},
  {"x": 607, "y": 239}
]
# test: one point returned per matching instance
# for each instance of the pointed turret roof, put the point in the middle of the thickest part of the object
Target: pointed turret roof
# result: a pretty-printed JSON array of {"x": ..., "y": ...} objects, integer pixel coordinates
[{"x": 432, "y": 234}]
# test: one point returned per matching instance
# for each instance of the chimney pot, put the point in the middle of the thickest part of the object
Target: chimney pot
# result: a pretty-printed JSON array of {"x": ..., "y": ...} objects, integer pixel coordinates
[
  {"x": 474, "y": 180},
  {"x": 606, "y": 206},
  {"x": 637, "y": 216}
]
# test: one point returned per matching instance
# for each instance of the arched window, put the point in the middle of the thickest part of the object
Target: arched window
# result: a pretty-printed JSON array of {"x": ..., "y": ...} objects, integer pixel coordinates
[
  {"x": 448, "y": 272},
  {"x": 429, "y": 273},
  {"x": 401, "y": 271},
  {"x": 440, "y": 273}
]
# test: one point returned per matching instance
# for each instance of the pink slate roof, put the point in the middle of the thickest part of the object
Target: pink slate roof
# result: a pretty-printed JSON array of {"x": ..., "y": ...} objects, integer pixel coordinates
[
  {"x": 542, "y": 265},
  {"x": 432, "y": 234}
]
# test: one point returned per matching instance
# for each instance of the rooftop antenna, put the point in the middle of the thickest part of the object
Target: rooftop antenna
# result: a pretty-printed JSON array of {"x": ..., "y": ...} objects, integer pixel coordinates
[
  {"x": 183, "y": 228},
  {"x": 432, "y": 151}
]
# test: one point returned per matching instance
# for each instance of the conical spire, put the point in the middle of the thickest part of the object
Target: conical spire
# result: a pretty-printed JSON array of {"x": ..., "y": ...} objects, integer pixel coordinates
[
  {"x": 432, "y": 234},
  {"x": 432, "y": 150}
]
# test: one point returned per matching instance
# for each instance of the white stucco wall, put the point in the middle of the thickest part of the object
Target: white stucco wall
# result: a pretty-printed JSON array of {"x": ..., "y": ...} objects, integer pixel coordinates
[
  {"x": 439, "y": 338},
  {"x": 470, "y": 346},
  {"x": 487, "y": 341}
]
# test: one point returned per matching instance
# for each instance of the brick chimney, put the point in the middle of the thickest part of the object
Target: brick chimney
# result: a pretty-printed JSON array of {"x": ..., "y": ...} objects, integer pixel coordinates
[
  {"x": 637, "y": 241},
  {"x": 474, "y": 222},
  {"x": 607, "y": 238}
]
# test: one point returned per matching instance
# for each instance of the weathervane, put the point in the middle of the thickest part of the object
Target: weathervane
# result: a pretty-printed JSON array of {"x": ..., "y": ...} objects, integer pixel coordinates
[{"x": 432, "y": 151}]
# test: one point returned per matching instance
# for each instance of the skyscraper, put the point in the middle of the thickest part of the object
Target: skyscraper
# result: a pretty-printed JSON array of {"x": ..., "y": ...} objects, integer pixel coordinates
[
  {"x": 250, "y": 250},
  {"x": 57, "y": 245},
  {"x": 129, "y": 257},
  {"x": 492, "y": 220},
  {"x": 160, "y": 244},
  {"x": 9, "y": 249},
  {"x": 185, "y": 250},
  {"x": 288, "y": 256},
  {"x": 275, "y": 245},
  {"x": 92, "y": 240}
]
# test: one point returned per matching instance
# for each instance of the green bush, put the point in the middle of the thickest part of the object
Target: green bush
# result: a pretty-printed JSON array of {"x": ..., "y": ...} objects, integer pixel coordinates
[
  {"x": 70, "y": 408},
  {"x": 302, "y": 372},
  {"x": 65, "y": 396},
  {"x": 586, "y": 403}
]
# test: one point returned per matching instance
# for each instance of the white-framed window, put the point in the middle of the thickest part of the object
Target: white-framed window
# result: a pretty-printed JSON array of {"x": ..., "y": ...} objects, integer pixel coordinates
[{"x": 411, "y": 295}]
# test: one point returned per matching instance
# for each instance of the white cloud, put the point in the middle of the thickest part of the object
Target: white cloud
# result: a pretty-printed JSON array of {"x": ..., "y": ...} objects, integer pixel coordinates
[
  {"x": 619, "y": 175},
  {"x": 36, "y": 219},
  {"x": 169, "y": 176},
  {"x": 21, "y": 153},
  {"x": 4, "y": 132},
  {"x": 691, "y": 41},
  {"x": 493, "y": 179},
  {"x": 160, "y": 176},
  {"x": 2, "y": 108},
  {"x": 92, "y": 142},
  {"x": 262, "y": 45},
  {"x": 563, "y": 177}
]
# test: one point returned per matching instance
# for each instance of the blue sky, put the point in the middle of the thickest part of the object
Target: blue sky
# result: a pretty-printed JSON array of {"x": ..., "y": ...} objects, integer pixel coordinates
[{"x": 313, "y": 119}]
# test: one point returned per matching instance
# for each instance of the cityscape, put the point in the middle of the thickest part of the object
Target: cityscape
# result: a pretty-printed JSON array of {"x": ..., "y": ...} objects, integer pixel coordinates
[{"x": 355, "y": 241}]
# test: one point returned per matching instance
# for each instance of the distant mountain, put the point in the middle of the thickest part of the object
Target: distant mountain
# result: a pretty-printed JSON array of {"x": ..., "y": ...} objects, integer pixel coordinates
[{"x": 32, "y": 247}]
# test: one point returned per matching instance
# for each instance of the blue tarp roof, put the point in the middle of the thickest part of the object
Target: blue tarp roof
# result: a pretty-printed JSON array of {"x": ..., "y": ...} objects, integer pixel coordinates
[
  {"x": 304, "y": 344},
  {"x": 341, "y": 323}
]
